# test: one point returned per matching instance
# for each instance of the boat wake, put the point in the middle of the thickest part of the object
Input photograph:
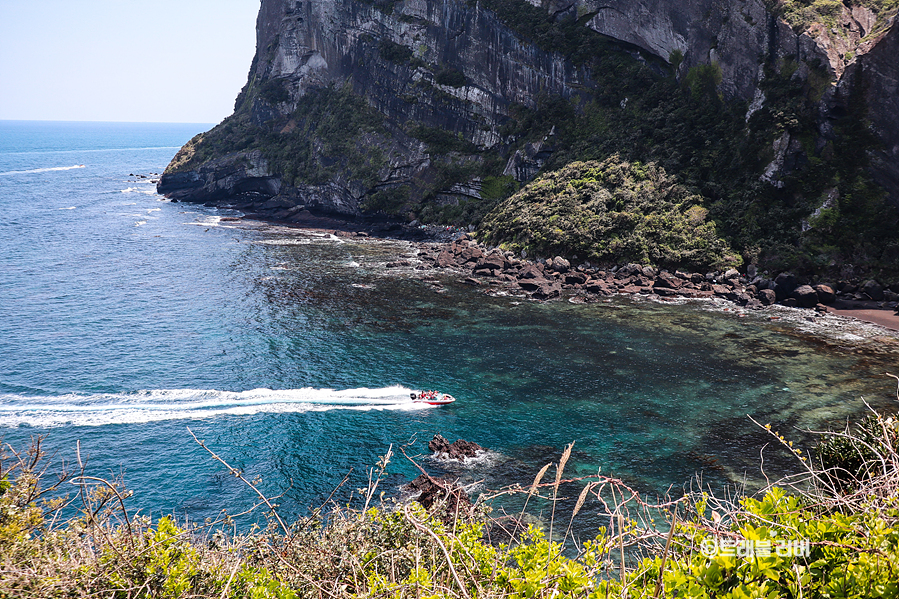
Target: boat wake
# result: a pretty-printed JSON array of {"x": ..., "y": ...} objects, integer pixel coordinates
[
  {"x": 190, "y": 404},
  {"x": 42, "y": 170}
]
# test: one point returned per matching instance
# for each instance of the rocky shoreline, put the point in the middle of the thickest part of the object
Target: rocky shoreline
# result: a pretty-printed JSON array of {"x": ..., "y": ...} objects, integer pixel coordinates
[
  {"x": 549, "y": 279},
  {"x": 452, "y": 250}
]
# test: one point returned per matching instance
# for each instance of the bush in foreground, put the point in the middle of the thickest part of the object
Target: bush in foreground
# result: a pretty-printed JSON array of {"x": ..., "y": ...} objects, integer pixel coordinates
[{"x": 813, "y": 541}]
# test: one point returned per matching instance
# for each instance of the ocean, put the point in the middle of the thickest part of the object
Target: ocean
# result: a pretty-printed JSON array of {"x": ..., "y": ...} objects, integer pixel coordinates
[{"x": 126, "y": 319}]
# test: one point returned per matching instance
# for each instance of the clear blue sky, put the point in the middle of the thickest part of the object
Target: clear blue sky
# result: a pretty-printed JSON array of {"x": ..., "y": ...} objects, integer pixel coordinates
[{"x": 178, "y": 61}]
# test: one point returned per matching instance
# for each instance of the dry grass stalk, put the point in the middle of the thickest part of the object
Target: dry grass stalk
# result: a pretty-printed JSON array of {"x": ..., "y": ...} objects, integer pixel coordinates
[
  {"x": 237, "y": 473},
  {"x": 665, "y": 553},
  {"x": 559, "y": 469}
]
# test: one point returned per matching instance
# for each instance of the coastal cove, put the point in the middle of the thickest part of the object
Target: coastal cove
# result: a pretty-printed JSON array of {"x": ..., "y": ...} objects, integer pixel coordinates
[{"x": 128, "y": 318}]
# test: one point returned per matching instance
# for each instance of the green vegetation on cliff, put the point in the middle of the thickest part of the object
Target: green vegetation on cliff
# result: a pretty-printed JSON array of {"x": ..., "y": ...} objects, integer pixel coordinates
[
  {"x": 610, "y": 212},
  {"x": 321, "y": 139},
  {"x": 801, "y": 14}
]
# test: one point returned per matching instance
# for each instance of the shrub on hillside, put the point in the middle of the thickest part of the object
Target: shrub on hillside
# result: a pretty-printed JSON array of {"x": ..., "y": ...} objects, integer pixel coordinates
[{"x": 611, "y": 212}]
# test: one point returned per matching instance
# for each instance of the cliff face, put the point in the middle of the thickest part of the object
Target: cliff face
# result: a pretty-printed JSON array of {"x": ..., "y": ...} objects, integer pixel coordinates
[
  {"x": 412, "y": 106},
  {"x": 448, "y": 67},
  {"x": 875, "y": 76}
]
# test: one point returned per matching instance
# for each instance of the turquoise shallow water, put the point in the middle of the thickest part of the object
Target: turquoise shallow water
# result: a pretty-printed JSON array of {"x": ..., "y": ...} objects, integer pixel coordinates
[{"x": 127, "y": 318}]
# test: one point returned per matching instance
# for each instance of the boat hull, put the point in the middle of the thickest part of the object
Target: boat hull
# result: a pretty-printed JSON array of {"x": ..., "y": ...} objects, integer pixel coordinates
[{"x": 432, "y": 398}]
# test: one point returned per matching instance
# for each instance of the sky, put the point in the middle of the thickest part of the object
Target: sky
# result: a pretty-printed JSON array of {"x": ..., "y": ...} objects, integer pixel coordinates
[{"x": 169, "y": 61}]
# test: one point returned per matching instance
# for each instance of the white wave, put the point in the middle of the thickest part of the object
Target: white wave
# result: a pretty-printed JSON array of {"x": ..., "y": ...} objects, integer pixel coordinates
[
  {"x": 190, "y": 404},
  {"x": 307, "y": 238},
  {"x": 149, "y": 192},
  {"x": 205, "y": 220},
  {"x": 69, "y": 208},
  {"x": 482, "y": 459},
  {"x": 140, "y": 222},
  {"x": 43, "y": 170},
  {"x": 296, "y": 241}
]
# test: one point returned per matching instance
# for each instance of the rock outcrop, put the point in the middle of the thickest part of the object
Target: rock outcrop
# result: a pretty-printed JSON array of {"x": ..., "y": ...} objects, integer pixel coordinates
[
  {"x": 444, "y": 498},
  {"x": 434, "y": 73},
  {"x": 459, "y": 450}
]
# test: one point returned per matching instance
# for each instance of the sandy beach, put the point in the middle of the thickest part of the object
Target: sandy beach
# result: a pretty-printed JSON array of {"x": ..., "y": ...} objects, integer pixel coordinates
[{"x": 867, "y": 311}]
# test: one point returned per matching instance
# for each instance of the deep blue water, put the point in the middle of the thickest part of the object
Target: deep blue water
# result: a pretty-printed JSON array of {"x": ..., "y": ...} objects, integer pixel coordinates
[{"x": 125, "y": 319}]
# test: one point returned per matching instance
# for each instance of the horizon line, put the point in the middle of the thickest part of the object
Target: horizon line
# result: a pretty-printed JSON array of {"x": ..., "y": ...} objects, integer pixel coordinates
[{"x": 5, "y": 120}]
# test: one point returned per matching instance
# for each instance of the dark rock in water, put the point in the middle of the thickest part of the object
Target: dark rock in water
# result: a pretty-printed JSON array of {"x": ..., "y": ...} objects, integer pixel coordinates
[
  {"x": 547, "y": 290},
  {"x": 470, "y": 254},
  {"x": 664, "y": 292},
  {"x": 530, "y": 272},
  {"x": 767, "y": 296},
  {"x": 575, "y": 278},
  {"x": 435, "y": 492},
  {"x": 754, "y": 304},
  {"x": 398, "y": 263},
  {"x": 806, "y": 297},
  {"x": 668, "y": 281},
  {"x": 825, "y": 293},
  {"x": 740, "y": 298},
  {"x": 445, "y": 259},
  {"x": 598, "y": 287},
  {"x": 459, "y": 450},
  {"x": 493, "y": 262},
  {"x": 722, "y": 290},
  {"x": 532, "y": 284}
]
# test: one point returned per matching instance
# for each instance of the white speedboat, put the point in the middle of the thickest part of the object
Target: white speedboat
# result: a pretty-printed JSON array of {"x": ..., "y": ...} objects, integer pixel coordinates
[{"x": 434, "y": 398}]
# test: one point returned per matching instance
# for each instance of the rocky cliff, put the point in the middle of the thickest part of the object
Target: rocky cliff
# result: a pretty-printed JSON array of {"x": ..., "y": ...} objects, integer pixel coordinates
[
  {"x": 440, "y": 110},
  {"x": 434, "y": 76}
]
